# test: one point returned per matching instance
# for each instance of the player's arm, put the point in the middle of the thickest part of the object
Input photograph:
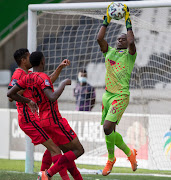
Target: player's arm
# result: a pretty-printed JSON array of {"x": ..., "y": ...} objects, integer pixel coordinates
[
  {"x": 100, "y": 37},
  {"x": 58, "y": 70},
  {"x": 19, "y": 92},
  {"x": 130, "y": 34},
  {"x": 53, "y": 96},
  {"x": 13, "y": 81},
  {"x": 13, "y": 94}
]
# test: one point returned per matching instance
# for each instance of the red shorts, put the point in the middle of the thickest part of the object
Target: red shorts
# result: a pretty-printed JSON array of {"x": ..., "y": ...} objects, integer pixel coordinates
[
  {"x": 60, "y": 133},
  {"x": 33, "y": 129}
]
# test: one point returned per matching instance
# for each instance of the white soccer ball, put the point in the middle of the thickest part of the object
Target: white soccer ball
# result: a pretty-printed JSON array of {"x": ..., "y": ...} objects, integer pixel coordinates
[{"x": 116, "y": 11}]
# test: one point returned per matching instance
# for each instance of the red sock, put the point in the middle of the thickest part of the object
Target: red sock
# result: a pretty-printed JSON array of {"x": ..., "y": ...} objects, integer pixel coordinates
[
  {"x": 46, "y": 160},
  {"x": 56, "y": 158},
  {"x": 64, "y": 175},
  {"x": 59, "y": 165},
  {"x": 67, "y": 157},
  {"x": 62, "y": 172},
  {"x": 72, "y": 168}
]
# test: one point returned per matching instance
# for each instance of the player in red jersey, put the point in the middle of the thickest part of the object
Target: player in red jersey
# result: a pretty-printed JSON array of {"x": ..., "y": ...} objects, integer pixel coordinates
[
  {"x": 51, "y": 121},
  {"x": 21, "y": 57}
]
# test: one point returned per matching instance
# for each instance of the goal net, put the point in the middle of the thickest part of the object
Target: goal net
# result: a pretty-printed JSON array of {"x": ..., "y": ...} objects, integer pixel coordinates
[{"x": 72, "y": 34}]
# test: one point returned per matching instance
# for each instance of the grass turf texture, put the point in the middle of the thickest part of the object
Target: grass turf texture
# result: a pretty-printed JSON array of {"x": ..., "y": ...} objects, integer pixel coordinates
[{"x": 18, "y": 167}]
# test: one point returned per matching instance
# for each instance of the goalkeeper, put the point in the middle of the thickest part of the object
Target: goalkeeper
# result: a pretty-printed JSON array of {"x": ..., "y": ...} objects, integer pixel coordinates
[{"x": 119, "y": 64}]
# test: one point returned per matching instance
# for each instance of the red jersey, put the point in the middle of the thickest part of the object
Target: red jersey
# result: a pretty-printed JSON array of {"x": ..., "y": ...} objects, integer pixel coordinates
[
  {"x": 17, "y": 75},
  {"x": 36, "y": 82}
]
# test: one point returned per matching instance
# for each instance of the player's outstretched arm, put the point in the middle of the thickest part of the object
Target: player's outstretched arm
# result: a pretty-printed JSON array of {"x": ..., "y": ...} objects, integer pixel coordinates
[
  {"x": 130, "y": 34},
  {"x": 53, "y": 96},
  {"x": 100, "y": 37},
  {"x": 58, "y": 70},
  {"x": 13, "y": 94}
]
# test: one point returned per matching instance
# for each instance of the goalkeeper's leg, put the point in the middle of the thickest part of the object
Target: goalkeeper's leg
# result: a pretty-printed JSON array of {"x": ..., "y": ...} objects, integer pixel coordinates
[
  {"x": 110, "y": 143},
  {"x": 131, "y": 154}
]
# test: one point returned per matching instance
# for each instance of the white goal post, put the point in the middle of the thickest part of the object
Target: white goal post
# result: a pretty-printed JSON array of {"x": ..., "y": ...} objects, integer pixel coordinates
[{"x": 32, "y": 36}]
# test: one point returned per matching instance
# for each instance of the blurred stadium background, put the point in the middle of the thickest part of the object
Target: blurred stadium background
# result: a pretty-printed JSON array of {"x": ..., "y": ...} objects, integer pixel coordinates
[{"x": 151, "y": 72}]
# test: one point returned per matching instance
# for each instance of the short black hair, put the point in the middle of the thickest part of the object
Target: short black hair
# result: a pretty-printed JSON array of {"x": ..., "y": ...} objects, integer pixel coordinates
[
  {"x": 19, "y": 54},
  {"x": 83, "y": 71},
  {"x": 35, "y": 58}
]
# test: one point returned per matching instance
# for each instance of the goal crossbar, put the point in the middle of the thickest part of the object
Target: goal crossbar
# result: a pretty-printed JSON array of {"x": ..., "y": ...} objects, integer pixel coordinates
[{"x": 97, "y": 5}]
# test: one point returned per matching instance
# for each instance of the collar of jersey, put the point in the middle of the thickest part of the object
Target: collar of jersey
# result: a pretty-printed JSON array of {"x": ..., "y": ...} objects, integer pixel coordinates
[{"x": 22, "y": 70}]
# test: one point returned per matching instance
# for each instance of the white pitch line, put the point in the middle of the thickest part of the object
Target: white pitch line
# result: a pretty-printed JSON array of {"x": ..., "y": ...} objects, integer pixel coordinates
[{"x": 135, "y": 174}]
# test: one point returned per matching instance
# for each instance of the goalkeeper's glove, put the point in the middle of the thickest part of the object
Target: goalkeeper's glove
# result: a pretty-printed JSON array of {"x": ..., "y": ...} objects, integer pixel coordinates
[
  {"x": 107, "y": 18},
  {"x": 127, "y": 18}
]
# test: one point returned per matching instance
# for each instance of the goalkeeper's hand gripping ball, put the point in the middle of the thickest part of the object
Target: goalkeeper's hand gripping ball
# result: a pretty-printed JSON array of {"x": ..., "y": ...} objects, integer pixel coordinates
[
  {"x": 107, "y": 18},
  {"x": 127, "y": 17}
]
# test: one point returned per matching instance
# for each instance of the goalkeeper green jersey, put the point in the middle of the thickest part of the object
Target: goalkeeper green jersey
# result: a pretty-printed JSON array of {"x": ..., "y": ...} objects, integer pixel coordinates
[{"x": 119, "y": 65}]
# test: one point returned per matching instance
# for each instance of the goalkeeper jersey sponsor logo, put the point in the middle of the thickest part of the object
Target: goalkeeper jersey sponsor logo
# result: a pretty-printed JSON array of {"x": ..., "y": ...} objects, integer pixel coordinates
[{"x": 112, "y": 62}]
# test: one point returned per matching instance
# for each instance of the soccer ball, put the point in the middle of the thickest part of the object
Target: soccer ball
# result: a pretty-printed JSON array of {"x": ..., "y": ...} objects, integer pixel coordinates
[{"x": 116, "y": 11}]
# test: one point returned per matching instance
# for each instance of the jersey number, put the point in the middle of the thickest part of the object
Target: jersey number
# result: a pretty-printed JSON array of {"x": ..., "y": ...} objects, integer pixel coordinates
[{"x": 36, "y": 93}]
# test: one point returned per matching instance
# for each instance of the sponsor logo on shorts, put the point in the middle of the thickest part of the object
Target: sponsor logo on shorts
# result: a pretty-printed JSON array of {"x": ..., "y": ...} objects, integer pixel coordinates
[{"x": 113, "y": 110}]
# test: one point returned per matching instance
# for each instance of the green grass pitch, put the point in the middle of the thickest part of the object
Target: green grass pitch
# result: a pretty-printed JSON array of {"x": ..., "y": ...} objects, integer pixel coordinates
[{"x": 14, "y": 170}]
